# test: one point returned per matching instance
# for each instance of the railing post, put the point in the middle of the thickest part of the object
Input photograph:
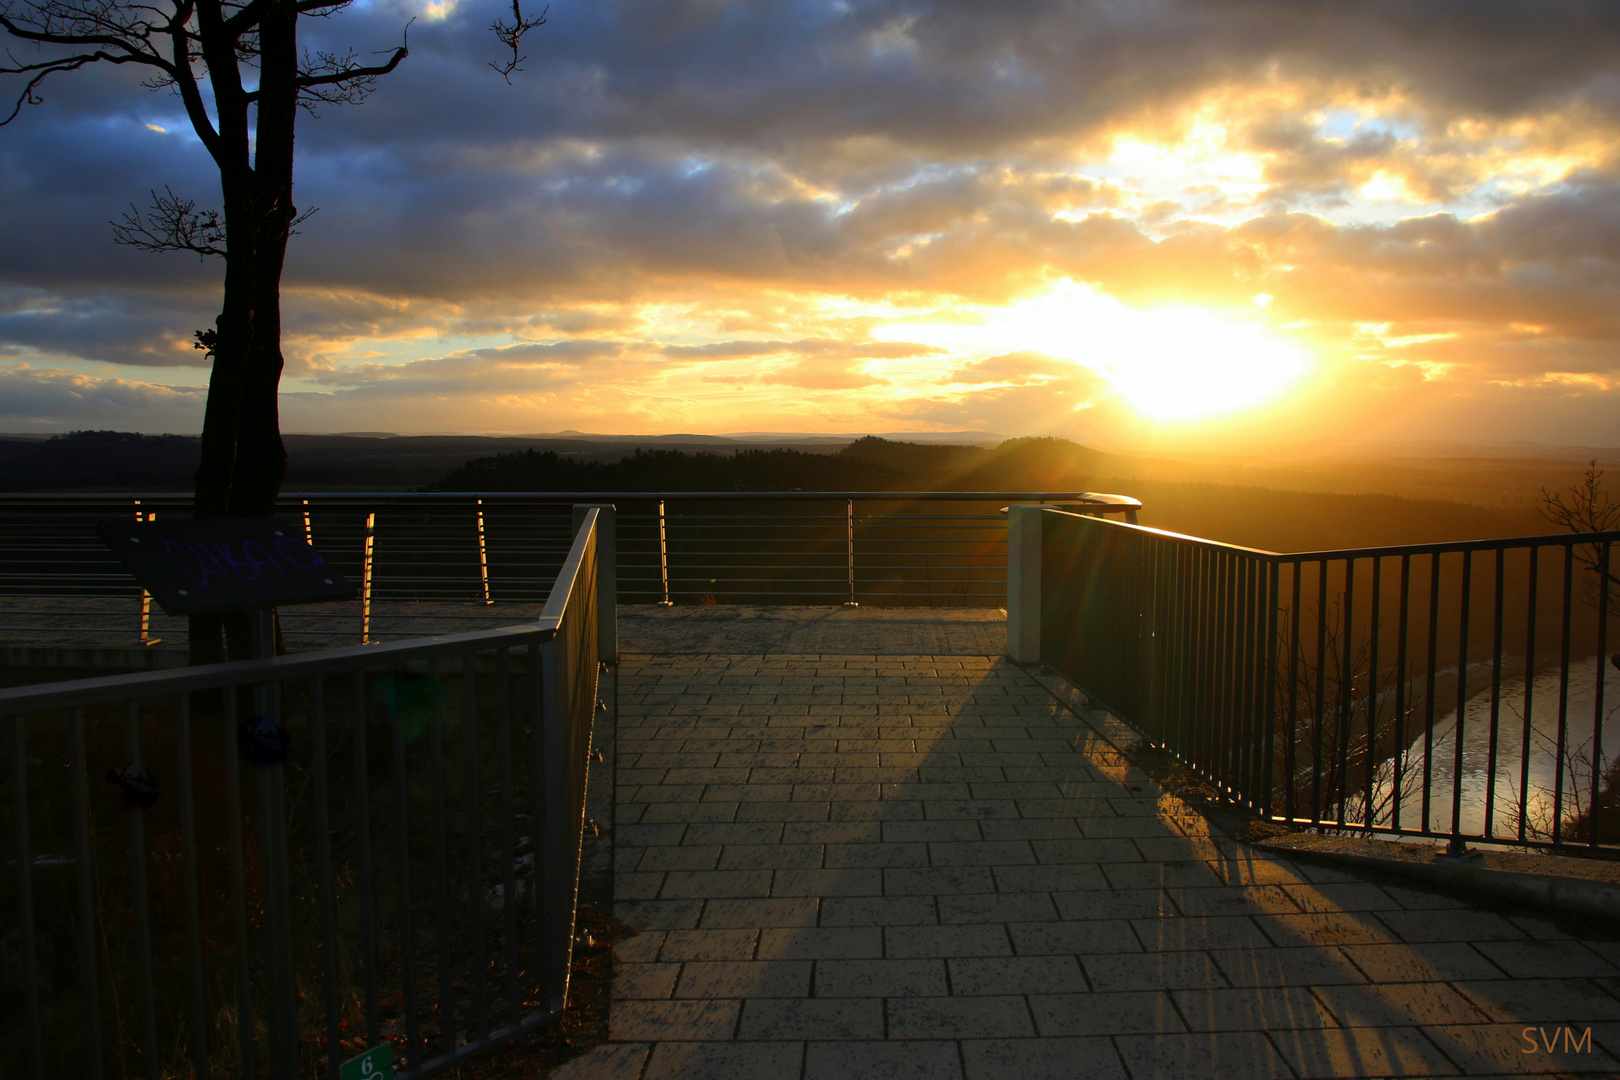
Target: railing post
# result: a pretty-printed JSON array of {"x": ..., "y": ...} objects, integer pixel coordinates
[
  {"x": 1024, "y": 584},
  {"x": 607, "y": 579},
  {"x": 483, "y": 553},
  {"x": 663, "y": 556},
  {"x": 365, "y": 581},
  {"x": 850, "y": 518},
  {"x": 146, "y": 597}
]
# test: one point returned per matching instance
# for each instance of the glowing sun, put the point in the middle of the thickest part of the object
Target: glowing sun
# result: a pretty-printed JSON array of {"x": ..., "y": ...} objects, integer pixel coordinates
[{"x": 1186, "y": 364}]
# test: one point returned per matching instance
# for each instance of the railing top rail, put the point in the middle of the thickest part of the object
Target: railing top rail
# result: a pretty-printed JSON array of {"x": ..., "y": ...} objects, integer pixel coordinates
[
  {"x": 1122, "y": 501},
  {"x": 1548, "y": 540},
  {"x": 563, "y": 591},
  {"x": 1166, "y": 534},
  {"x": 1387, "y": 551}
]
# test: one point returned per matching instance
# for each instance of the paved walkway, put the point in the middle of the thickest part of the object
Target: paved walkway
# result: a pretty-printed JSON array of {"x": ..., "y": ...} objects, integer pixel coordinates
[{"x": 900, "y": 865}]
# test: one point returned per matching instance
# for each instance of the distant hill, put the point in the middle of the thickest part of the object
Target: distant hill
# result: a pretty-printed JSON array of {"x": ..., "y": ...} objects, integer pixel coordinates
[
  {"x": 867, "y": 464},
  {"x": 353, "y": 461},
  {"x": 1283, "y": 504},
  {"x": 1247, "y": 514},
  {"x": 97, "y": 459}
]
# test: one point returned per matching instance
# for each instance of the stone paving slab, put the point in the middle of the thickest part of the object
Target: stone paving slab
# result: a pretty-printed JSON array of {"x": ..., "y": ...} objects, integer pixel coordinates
[{"x": 1046, "y": 912}]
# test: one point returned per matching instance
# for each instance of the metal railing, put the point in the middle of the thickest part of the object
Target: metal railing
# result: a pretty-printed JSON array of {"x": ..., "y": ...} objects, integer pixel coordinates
[
  {"x": 276, "y": 864},
  {"x": 908, "y": 548},
  {"x": 1453, "y": 690}
]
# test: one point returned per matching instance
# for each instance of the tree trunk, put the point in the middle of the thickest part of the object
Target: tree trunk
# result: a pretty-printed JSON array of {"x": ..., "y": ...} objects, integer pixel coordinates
[{"x": 243, "y": 457}]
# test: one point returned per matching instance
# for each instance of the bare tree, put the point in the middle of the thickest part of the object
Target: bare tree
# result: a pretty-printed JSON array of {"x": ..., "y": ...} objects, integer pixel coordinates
[
  {"x": 239, "y": 70},
  {"x": 1587, "y": 508}
]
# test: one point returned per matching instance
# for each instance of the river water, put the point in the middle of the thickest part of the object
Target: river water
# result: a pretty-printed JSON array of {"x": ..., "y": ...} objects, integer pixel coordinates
[{"x": 1537, "y": 776}]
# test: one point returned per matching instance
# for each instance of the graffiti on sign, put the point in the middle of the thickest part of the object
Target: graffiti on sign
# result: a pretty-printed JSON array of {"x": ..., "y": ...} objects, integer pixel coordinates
[{"x": 224, "y": 564}]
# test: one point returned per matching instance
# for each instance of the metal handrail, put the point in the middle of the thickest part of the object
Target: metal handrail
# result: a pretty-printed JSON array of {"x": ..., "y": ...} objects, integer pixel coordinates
[
  {"x": 1379, "y": 689},
  {"x": 572, "y": 497},
  {"x": 491, "y": 547},
  {"x": 478, "y": 726}
]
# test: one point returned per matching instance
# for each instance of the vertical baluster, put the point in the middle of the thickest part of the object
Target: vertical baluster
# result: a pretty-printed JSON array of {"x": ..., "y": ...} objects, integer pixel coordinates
[
  {"x": 1460, "y": 730},
  {"x": 1525, "y": 744},
  {"x": 362, "y": 837},
  {"x": 248, "y": 1070},
  {"x": 402, "y": 880},
  {"x": 545, "y": 946},
  {"x": 475, "y": 856},
  {"x": 1564, "y": 755},
  {"x": 1269, "y": 691},
  {"x": 441, "y": 871},
  {"x": 142, "y": 903},
  {"x": 1431, "y": 672},
  {"x": 1374, "y": 618},
  {"x": 1319, "y": 699},
  {"x": 281, "y": 1038},
  {"x": 1404, "y": 615},
  {"x": 503, "y": 714},
  {"x": 1497, "y": 595},
  {"x": 89, "y": 927},
  {"x": 1347, "y": 680},
  {"x": 188, "y": 853},
  {"x": 325, "y": 884},
  {"x": 1593, "y": 827},
  {"x": 26, "y": 940},
  {"x": 1289, "y": 753}
]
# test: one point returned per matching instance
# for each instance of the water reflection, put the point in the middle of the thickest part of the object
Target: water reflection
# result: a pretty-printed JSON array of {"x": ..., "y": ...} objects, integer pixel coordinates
[{"x": 1527, "y": 766}]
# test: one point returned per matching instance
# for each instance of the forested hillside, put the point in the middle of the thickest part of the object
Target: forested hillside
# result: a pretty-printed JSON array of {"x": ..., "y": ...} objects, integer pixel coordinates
[{"x": 1252, "y": 516}]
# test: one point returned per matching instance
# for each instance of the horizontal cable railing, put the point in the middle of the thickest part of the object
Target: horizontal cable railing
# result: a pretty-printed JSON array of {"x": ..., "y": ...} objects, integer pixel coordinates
[
  {"x": 268, "y": 867},
  {"x": 408, "y": 551},
  {"x": 1456, "y": 691}
]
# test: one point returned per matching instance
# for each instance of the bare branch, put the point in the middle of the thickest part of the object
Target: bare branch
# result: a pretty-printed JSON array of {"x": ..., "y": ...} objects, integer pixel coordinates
[
  {"x": 336, "y": 79},
  {"x": 1587, "y": 508},
  {"x": 174, "y": 224},
  {"x": 511, "y": 35},
  {"x": 104, "y": 31},
  {"x": 45, "y": 70}
]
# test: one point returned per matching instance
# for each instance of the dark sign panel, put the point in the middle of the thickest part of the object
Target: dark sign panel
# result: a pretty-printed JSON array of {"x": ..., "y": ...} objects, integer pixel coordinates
[{"x": 224, "y": 564}]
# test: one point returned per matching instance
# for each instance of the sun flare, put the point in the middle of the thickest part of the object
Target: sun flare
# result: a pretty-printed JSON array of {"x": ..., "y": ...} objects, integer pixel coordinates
[
  {"x": 1167, "y": 364},
  {"x": 1190, "y": 364}
]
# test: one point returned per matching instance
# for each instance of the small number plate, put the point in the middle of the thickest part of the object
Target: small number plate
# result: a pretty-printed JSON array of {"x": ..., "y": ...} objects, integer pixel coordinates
[{"x": 375, "y": 1064}]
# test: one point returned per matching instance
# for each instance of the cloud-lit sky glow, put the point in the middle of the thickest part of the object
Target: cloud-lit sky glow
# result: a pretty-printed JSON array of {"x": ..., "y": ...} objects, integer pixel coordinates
[{"x": 1210, "y": 222}]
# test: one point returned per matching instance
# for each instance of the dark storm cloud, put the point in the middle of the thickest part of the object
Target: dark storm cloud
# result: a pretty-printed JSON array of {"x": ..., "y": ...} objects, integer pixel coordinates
[{"x": 118, "y": 328}]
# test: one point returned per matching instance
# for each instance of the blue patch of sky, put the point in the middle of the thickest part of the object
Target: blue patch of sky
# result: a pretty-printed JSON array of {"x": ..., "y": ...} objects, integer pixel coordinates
[
  {"x": 624, "y": 183},
  {"x": 1346, "y": 124}
]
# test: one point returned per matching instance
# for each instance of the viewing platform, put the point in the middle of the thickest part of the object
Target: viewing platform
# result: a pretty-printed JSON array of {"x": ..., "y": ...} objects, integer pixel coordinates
[
  {"x": 872, "y": 776},
  {"x": 860, "y": 842}
]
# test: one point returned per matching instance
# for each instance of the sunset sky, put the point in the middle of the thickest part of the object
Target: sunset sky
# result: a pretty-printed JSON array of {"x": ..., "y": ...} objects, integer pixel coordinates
[{"x": 1126, "y": 223}]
